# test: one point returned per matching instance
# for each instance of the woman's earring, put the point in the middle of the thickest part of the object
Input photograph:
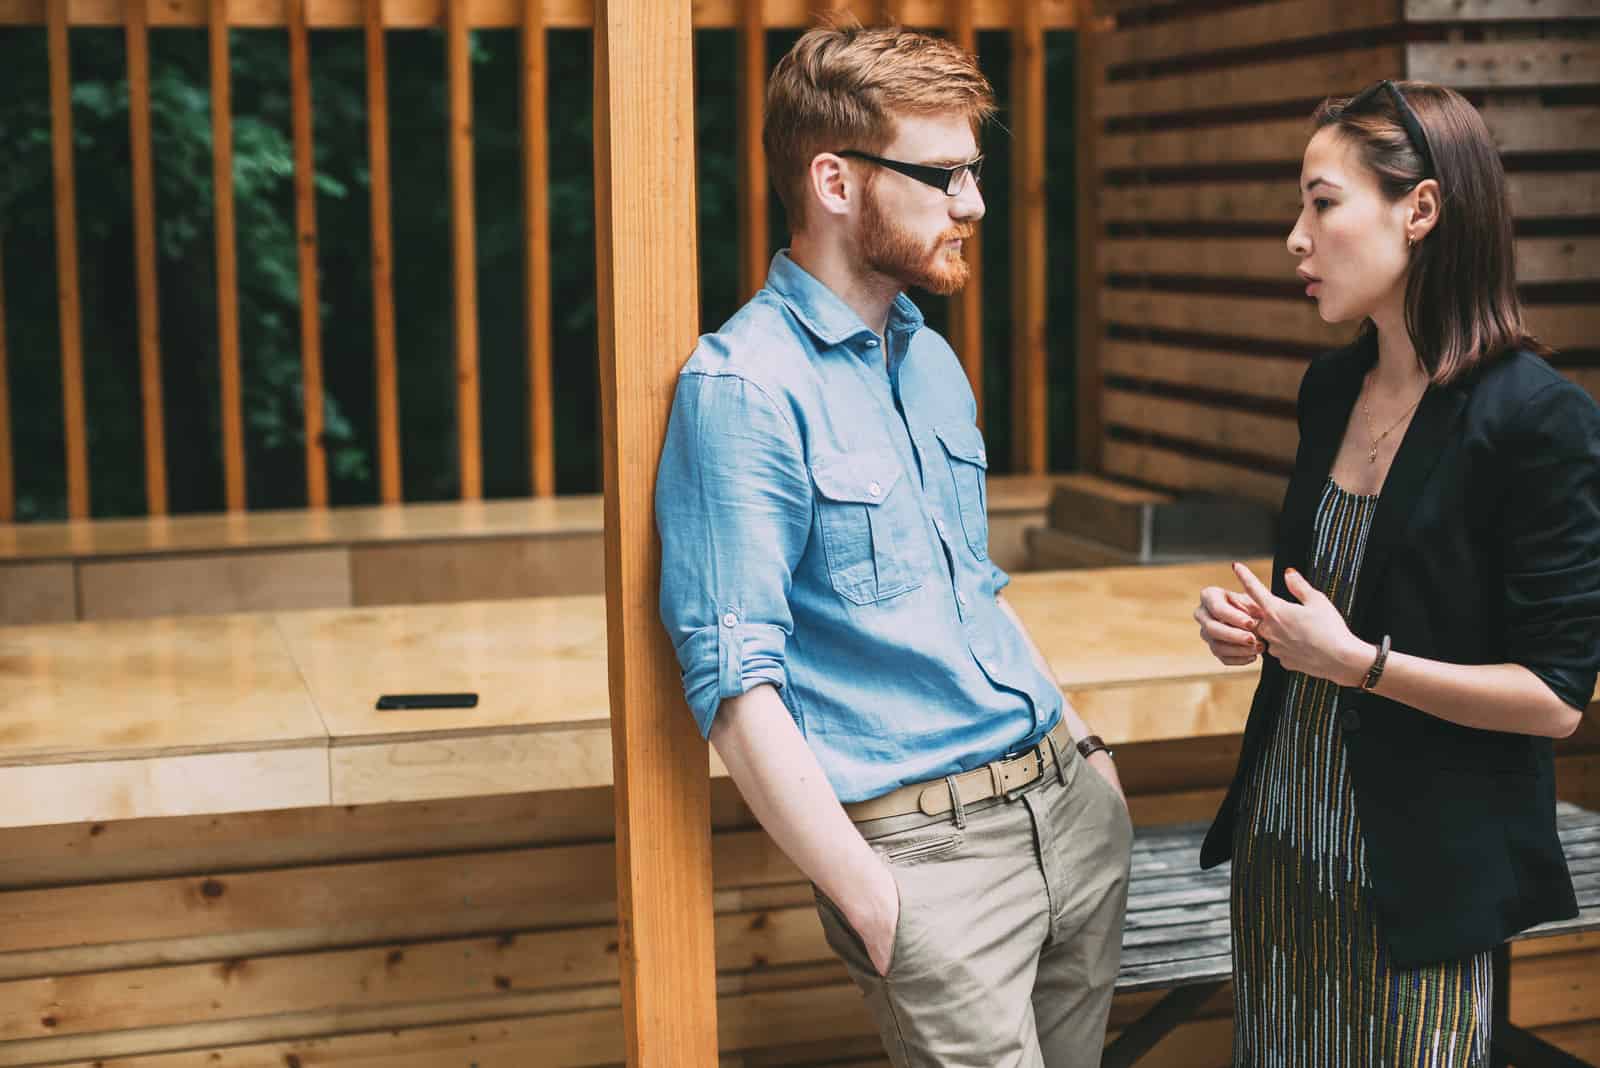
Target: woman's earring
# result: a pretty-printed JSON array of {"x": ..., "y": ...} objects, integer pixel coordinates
[{"x": 1411, "y": 241}]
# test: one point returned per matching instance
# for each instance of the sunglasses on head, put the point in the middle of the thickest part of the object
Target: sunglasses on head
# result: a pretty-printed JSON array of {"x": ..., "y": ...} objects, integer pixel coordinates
[{"x": 1408, "y": 119}]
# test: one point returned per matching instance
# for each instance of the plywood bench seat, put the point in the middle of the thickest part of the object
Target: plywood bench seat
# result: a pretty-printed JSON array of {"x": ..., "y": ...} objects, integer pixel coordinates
[{"x": 421, "y": 553}]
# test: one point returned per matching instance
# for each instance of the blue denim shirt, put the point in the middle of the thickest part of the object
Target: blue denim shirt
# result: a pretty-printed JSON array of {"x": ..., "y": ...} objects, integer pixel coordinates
[{"x": 824, "y": 528}]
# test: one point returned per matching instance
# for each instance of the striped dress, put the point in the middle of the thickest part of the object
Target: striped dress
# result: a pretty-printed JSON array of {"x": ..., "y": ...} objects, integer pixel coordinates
[{"x": 1313, "y": 983}]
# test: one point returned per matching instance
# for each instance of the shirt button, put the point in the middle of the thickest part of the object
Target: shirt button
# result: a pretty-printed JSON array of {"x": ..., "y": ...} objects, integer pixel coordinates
[
  {"x": 961, "y": 599},
  {"x": 872, "y": 342},
  {"x": 729, "y": 619},
  {"x": 982, "y": 458},
  {"x": 874, "y": 490}
]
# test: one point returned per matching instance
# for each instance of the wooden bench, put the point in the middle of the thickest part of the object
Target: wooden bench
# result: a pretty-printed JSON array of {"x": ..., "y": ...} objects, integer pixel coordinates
[
  {"x": 423, "y": 553},
  {"x": 1176, "y": 937}
]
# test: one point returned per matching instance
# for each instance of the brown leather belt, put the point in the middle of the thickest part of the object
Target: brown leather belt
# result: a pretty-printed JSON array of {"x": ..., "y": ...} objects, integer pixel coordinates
[{"x": 995, "y": 779}]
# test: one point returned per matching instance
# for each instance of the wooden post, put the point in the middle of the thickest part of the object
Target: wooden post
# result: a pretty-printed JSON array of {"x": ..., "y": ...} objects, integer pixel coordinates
[
  {"x": 536, "y": 247},
  {"x": 966, "y": 307},
  {"x": 68, "y": 301},
  {"x": 464, "y": 248},
  {"x": 754, "y": 231},
  {"x": 144, "y": 244},
  {"x": 648, "y": 319},
  {"x": 1029, "y": 350},
  {"x": 227, "y": 258},
  {"x": 1087, "y": 128},
  {"x": 8, "y": 484},
  {"x": 383, "y": 328},
  {"x": 305, "y": 216}
]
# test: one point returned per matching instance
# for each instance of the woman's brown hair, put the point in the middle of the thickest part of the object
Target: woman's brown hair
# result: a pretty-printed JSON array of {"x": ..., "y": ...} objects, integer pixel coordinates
[{"x": 1462, "y": 306}]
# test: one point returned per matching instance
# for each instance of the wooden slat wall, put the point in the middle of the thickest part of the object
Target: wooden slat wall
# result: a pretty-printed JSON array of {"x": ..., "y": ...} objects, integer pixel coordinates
[
  {"x": 536, "y": 247},
  {"x": 1201, "y": 119},
  {"x": 484, "y": 930},
  {"x": 227, "y": 259},
  {"x": 144, "y": 242},
  {"x": 383, "y": 322},
  {"x": 305, "y": 212},
  {"x": 69, "y": 312}
]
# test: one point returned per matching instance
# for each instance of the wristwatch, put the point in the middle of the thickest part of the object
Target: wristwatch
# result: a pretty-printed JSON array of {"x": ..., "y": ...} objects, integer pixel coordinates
[{"x": 1091, "y": 744}]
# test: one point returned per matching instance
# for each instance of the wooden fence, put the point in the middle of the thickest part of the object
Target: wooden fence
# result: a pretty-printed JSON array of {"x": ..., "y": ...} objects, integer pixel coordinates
[
  {"x": 1027, "y": 21},
  {"x": 1200, "y": 118}
]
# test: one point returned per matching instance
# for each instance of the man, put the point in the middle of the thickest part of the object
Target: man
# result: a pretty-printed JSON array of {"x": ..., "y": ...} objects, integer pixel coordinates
[{"x": 827, "y": 586}]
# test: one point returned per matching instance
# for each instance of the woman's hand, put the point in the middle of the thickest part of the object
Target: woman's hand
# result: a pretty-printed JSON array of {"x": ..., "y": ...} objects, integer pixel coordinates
[
  {"x": 1310, "y": 637},
  {"x": 1227, "y": 625}
]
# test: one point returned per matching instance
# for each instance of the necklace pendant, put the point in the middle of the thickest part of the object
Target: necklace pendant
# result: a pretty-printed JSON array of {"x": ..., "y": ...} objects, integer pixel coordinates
[{"x": 1372, "y": 457}]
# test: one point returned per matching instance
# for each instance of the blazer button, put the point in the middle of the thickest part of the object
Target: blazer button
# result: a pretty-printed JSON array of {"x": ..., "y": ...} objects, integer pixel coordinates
[{"x": 1350, "y": 718}]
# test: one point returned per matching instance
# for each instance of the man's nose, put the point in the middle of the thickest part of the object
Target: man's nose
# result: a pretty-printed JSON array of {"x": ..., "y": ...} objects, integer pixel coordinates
[{"x": 968, "y": 206}]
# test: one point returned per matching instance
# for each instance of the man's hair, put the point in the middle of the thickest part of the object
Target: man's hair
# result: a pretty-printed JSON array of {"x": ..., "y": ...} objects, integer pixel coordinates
[{"x": 844, "y": 87}]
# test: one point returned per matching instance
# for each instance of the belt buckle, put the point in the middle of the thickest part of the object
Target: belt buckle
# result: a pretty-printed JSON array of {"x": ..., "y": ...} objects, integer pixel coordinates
[{"x": 1038, "y": 772}]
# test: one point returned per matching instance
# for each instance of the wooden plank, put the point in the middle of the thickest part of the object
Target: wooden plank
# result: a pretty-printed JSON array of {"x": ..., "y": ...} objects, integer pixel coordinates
[
  {"x": 648, "y": 304},
  {"x": 504, "y": 14},
  {"x": 383, "y": 323},
  {"x": 1539, "y": 259},
  {"x": 1558, "y": 259},
  {"x": 753, "y": 191},
  {"x": 8, "y": 483},
  {"x": 1267, "y": 318},
  {"x": 1549, "y": 196},
  {"x": 1163, "y": 467},
  {"x": 535, "y": 71},
  {"x": 144, "y": 250},
  {"x": 1305, "y": 78},
  {"x": 214, "y": 583},
  {"x": 227, "y": 258},
  {"x": 1269, "y": 377},
  {"x": 1030, "y": 351},
  {"x": 1090, "y": 73},
  {"x": 1543, "y": 129},
  {"x": 1208, "y": 424},
  {"x": 1244, "y": 27},
  {"x": 1269, "y": 141},
  {"x": 966, "y": 307},
  {"x": 477, "y": 570},
  {"x": 1565, "y": 326},
  {"x": 37, "y": 593},
  {"x": 68, "y": 300},
  {"x": 1504, "y": 64},
  {"x": 464, "y": 252},
  {"x": 305, "y": 215},
  {"x": 1498, "y": 10}
]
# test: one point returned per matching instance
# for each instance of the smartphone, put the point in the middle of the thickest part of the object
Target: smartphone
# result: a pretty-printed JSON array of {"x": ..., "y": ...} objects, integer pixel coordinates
[{"x": 428, "y": 700}]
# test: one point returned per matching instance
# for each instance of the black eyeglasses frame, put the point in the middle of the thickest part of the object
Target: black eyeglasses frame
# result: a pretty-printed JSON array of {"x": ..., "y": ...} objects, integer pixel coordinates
[
  {"x": 1408, "y": 119},
  {"x": 947, "y": 179}
]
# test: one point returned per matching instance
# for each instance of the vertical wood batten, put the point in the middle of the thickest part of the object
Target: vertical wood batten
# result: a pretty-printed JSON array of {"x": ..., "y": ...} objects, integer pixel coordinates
[
  {"x": 227, "y": 259},
  {"x": 8, "y": 482},
  {"x": 67, "y": 295},
  {"x": 648, "y": 306},
  {"x": 1029, "y": 381},
  {"x": 305, "y": 205},
  {"x": 464, "y": 246},
  {"x": 754, "y": 229},
  {"x": 144, "y": 247},
  {"x": 536, "y": 247},
  {"x": 966, "y": 307},
  {"x": 383, "y": 326},
  {"x": 1087, "y": 408}
]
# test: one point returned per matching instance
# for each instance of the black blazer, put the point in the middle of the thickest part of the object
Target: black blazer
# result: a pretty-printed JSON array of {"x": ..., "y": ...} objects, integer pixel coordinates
[{"x": 1485, "y": 548}]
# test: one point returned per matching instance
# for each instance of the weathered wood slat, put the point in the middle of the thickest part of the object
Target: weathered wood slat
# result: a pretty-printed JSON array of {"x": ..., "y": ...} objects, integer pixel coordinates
[
  {"x": 1504, "y": 65},
  {"x": 69, "y": 309},
  {"x": 1240, "y": 431},
  {"x": 966, "y": 307},
  {"x": 464, "y": 253},
  {"x": 1172, "y": 470},
  {"x": 1261, "y": 83},
  {"x": 753, "y": 189},
  {"x": 1243, "y": 27},
  {"x": 534, "y": 74},
  {"x": 8, "y": 484},
  {"x": 1498, "y": 10},
  {"x": 230, "y": 385},
  {"x": 1268, "y": 377},
  {"x": 142, "y": 165},
  {"x": 383, "y": 320},
  {"x": 1029, "y": 270},
  {"x": 305, "y": 215},
  {"x": 1265, "y": 318},
  {"x": 1539, "y": 259}
]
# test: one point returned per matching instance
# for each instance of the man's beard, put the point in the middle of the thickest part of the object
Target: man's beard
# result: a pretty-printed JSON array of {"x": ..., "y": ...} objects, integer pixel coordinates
[{"x": 896, "y": 253}]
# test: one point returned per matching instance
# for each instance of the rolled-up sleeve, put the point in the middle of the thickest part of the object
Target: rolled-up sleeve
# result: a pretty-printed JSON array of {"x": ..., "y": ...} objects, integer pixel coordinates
[
  {"x": 1551, "y": 542},
  {"x": 733, "y": 510}
]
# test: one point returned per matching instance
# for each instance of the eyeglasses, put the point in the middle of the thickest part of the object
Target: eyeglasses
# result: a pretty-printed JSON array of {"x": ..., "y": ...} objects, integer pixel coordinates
[
  {"x": 950, "y": 179},
  {"x": 1408, "y": 119}
]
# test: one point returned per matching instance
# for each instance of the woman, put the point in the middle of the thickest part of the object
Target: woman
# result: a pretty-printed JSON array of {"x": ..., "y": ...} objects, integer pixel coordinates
[{"x": 1433, "y": 619}]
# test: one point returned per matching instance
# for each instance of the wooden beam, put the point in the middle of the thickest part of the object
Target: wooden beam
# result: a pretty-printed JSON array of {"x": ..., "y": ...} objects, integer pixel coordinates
[
  {"x": 1244, "y": 27},
  {"x": 1271, "y": 141},
  {"x": 68, "y": 300},
  {"x": 1302, "y": 78},
  {"x": 383, "y": 324},
  {"x": 144, "y": 249},
  {"x": 754, "y": 229},
  {"x": 8, "y": 483},
  {"x": 535, "y": 73},
  {"x": 305, "y": 215},
  {"x": 506, "y": 14},
  {"x": 648, "y": 320},
  {"x": 1174, "y": 470},
  {"x": 1029, "y": 337},
  {"x": 1498, "y": 10},
  {"x": 1267, "y": 318},
  {"x": 464, "y": 250},
  {"x": 966, "y": 307},
  {"x": 1268, "y": 377},
  {"x": 1539, "y": 259},
  {"x": 227, "y": 258},
  {"x": 1213, "y": 425},
  {"x": 1504, "y": 64},
  {"x": 1090, "y": 73},
  {"x": 1538, "y": 129}
]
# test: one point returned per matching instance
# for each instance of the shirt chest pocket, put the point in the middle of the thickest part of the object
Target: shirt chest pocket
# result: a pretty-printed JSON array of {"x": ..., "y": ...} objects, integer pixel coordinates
[
  {"x": 969, "y": 464},
  {"x": 870, "y": 525}
]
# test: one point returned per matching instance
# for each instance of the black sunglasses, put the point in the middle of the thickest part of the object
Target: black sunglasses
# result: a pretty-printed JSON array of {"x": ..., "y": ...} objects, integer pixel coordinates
[
  {"x": 1408, "y": 119},
  {"x": 949, "y": 179}
]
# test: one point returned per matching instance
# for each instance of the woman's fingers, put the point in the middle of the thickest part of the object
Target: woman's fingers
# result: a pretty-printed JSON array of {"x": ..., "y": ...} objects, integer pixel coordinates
[
  {"x": 1262, "y": 596},
  {"x": 1243, "y": 604},
  {"x": 1218, "y": 603},
  {"x": 1215, "y": 631}
]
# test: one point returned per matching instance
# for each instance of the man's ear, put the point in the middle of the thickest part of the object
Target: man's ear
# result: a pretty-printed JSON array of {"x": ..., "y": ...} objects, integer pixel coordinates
[{"x": 832, "y": 186}]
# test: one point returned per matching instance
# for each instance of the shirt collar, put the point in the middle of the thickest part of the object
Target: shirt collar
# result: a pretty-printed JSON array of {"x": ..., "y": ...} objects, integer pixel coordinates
[{"x": 821, "y": 310}]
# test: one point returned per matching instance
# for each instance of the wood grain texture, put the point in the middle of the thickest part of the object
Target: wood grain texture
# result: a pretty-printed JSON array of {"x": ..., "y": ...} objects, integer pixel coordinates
[
  {"x": 142, "y": 165},
  {"x": 478, "y": 570},
  {"x": 305, "y": 216},
  {"x": 648, "y": 305},
  {"x": 966, "y": 306},
  {"x": 69, "y": 309},
  {"x": 1244, "y": 27},
  {"x": 1173, "y": 470},
  {"x": 1089, "y": 70},
  {"x": 464, "y": 252},
  {"x": 283, "y": 580},
  {"x": 1498, "y": 10},
  {"x": 229, "y": 383},
  {"x": 534, "y": 72},
  {"x": 383, "y": 322},
  {"x": 1206, "y": 424},
  {"x": 1030, "y": 442},
  {"x": 754, "y": 193},
  {"x": 38, "y": 593},
  {"x": 1505, "y": 65},
  {"x": 1265, "y": 318},
  {"x": 1268, "y": 377},
  {"x": 8, "y": 482},
  {"x": 1308, "y": 78},
  {"x": 1269, "y": 141}
]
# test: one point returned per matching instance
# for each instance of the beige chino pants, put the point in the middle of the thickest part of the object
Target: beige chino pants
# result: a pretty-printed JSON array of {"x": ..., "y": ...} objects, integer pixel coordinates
[{"x": 1010, "y": 929}]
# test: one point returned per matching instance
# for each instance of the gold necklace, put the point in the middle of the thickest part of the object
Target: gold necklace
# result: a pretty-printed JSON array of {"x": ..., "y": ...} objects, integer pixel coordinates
[{"x": 1377, "y": 439}]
